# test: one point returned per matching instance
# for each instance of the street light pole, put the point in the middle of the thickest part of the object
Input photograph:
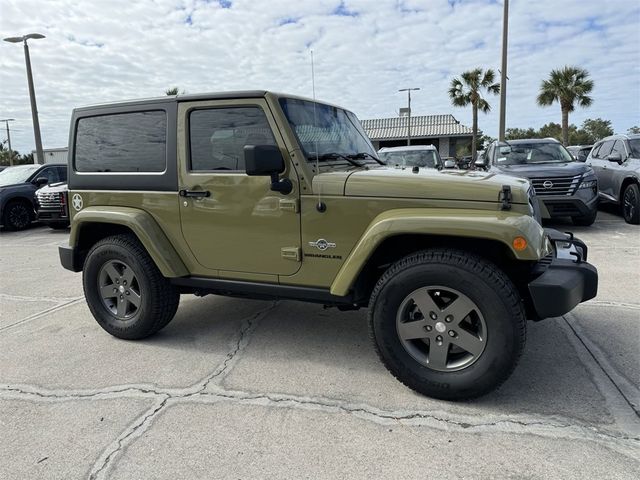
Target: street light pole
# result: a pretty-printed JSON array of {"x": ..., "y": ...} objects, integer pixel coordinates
[
  {"x": 503, "y": 72},
  {"x": 408, "y": 90},
  {"x": 6, "y": 121},
  {"x": 32, "y": 93}
]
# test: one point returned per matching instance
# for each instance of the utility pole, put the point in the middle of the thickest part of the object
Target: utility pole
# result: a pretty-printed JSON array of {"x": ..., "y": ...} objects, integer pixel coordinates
[
  {"x": 503, "y": 72},
  {"x": 32, "y": 93},
  {"x": 408, "y": 90},
  {"x": 6, "y": 121}
]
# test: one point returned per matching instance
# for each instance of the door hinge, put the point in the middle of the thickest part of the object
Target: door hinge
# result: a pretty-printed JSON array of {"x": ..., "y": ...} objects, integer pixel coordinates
[
  {"x": 291, "y": 253},
  {"x": 291, "y": 205}
]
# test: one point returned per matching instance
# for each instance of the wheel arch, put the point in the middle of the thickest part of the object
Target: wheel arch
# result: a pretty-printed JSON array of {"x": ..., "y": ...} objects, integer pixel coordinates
[
  {"x": 18, "y": 197},
  {"x": 394, "y": 235},
  {"x": 95, "y": 223},
  {"x": 625, "y": 183}
]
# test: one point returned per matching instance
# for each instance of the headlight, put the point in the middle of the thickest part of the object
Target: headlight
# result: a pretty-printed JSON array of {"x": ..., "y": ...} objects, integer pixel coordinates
[{"x": 589, "y": 184}]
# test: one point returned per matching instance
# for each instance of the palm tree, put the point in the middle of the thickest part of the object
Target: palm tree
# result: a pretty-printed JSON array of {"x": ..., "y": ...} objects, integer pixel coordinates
[
  {"x": 468, "y": 90},
  {"x": 566, "y": 86},
  {"x": 172, "y": 91}
]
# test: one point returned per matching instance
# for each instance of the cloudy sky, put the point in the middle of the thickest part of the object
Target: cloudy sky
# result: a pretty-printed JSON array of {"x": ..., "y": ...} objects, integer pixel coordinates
[{"x": 365, "y": 50}]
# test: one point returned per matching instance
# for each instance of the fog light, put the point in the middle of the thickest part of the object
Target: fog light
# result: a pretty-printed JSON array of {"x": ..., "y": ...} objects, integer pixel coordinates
[{"x": 519, "y": 243}]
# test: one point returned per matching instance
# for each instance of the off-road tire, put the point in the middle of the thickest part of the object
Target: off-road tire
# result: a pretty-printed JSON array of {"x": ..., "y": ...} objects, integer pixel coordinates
[
  {"x": 586, "y": 220},
  {"x": 631, "y": 212},
  {"x": 158, "y": 298},
  {"x": 17, "y": 215},
  {"x": 485, "y": 285}
]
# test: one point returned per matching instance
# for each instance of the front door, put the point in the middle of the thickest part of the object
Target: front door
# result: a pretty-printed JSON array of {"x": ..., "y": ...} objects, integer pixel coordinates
[{"x": 233, "y": 222}]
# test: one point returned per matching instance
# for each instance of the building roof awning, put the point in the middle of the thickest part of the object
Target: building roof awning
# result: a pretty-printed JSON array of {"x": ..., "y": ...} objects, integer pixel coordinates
[{"x": 424, "y": 126}]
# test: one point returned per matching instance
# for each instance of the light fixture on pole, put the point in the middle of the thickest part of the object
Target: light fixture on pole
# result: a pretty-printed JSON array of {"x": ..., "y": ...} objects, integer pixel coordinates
[
  {"x": 32, "y": 93},
  {"x": 6, "y": 122},
  {"x": 408, "y": 90},
  {"x": 503, "y": 73}
]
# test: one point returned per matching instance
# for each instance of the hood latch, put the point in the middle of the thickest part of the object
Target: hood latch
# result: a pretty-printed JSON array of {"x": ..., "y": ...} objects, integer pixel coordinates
[{"x": 505, "y": 197}]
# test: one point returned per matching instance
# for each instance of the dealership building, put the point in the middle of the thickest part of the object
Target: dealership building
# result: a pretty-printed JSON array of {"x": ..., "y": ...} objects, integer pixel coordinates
[{"x": 442, "y": 131}]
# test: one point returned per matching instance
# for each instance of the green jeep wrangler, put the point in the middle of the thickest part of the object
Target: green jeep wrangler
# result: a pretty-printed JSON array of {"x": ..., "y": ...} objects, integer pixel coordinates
[{"x": 268, "y": 196}]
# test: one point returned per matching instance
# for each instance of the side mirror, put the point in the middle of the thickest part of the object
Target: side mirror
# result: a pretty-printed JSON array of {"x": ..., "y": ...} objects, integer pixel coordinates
[
  {"x": 449, "y": 164},
  {"x": 506, "y": 150},
  {"x": 41, "y": 182},
  {"x": 615, "y": 157},
  {"x": 267, "y": 161}
]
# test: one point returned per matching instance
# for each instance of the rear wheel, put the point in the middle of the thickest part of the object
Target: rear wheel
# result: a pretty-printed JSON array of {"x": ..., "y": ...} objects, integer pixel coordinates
[
  {"x": 631, "y": 204},
  {"x": 125, "y": 291},
  {"x": 447, "y": 324},
  {"x": 17, "y": 215}
]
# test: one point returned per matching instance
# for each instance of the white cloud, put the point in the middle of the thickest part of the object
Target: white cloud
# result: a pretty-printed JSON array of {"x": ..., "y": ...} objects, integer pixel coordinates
[{"x": 108, "y": 50}]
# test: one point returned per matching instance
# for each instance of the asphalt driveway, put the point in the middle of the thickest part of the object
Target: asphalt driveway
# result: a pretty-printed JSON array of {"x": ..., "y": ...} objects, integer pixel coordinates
[{"x": 250, "y": 389}]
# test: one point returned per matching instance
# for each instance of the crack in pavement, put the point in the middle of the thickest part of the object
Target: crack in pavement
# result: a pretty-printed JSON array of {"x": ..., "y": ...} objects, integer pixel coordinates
[
  {"x": 626, "y": 441},
  {"x": 604, "y": 303},
  {"x": 35, "y": 316},
  {"x": 23, "y": 298},
  {"x": 624, "y": 387},
  {"x": 132, "y": 431}
]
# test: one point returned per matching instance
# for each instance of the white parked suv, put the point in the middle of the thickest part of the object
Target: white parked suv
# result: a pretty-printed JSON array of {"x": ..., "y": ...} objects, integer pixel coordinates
[{"x": 411, "y": 156}]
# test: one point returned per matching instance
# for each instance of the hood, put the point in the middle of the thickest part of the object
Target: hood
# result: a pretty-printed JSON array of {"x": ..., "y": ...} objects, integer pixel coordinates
[
  {"x": 547, "y": 170},
  {"x": 428, "y": 183},
  {"x": 15, "y": 186}
]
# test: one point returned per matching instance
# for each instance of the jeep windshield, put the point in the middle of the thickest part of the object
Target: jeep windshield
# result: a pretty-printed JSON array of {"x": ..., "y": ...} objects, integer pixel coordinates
[
  {"x": 329, "y": 133},
  {"x": 18, "y": 174},
  {"x": 532, "y": 153}
]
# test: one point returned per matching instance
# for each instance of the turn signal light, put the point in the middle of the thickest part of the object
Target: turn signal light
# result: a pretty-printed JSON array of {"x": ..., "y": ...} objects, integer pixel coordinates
[{"x": 519, "y": 243}]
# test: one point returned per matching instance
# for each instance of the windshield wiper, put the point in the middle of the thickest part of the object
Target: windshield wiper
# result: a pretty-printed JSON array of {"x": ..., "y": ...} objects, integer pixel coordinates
[
  {"x": 335, "y": 156},
  {"x": 365, "y": 155}
]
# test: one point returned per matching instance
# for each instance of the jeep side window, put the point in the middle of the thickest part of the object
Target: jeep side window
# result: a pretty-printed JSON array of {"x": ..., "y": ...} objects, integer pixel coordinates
[
  {"x": 217, "y": 136},
  {"x": 123, "y": 142}
]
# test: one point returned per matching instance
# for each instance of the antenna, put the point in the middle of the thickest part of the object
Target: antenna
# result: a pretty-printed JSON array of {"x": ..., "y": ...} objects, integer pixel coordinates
[{"x": 321, "y": 207}]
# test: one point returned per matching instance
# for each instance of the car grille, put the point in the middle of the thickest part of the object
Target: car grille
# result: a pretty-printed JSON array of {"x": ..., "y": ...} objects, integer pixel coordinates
[
  {"x": 49, "y": 200},
  {"x": 557, "y": 186}
]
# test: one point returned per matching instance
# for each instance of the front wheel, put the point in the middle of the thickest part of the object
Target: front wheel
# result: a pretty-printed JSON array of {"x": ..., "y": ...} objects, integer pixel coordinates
[
  {"x": 447, "y": 324},
  {"x": 631, "y": 204},
  {"x": 125, "y": 291}
]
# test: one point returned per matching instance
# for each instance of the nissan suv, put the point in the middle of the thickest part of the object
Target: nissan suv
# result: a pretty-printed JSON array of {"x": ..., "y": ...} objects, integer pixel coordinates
[{"x": 564, "y": 186}]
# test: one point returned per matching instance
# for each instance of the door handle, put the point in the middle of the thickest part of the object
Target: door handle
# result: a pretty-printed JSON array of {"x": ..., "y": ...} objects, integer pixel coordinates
[{"x": 194, "y": 193}]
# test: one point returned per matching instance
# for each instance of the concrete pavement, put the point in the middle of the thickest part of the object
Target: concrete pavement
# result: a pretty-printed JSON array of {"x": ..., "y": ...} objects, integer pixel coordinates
[{"x": 249, "y": 389}]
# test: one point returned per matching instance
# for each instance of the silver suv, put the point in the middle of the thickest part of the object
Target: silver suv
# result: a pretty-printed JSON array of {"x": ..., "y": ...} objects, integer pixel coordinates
[{"x": 616, "y": 161}]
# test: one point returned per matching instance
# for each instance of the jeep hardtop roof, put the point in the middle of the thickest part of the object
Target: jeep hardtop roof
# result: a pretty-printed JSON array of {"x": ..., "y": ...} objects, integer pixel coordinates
[{"x": 239, "y": 94}]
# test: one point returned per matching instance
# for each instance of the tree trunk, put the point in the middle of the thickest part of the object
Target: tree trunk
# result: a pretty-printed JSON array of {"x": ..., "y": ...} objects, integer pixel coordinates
[
  {"x": 565, "y": 126},
  {"x": 475, "y": 133}
]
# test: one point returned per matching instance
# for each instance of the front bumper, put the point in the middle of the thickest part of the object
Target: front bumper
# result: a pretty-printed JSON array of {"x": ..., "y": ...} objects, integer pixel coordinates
[
  {"x": 581, "y": 204},
  {"x": 566, "y": 279},
  {"x": 52, "y": 216},
  {"x": 70, "y": 258}
]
